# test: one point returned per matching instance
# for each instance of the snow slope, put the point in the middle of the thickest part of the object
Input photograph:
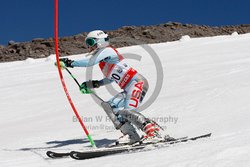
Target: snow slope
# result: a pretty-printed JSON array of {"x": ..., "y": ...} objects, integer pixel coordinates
[{"x": 206, "y": 88}]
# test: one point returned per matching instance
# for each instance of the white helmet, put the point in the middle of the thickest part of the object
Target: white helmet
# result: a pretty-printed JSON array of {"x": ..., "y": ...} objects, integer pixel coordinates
[{"x": 97, "y": 37}]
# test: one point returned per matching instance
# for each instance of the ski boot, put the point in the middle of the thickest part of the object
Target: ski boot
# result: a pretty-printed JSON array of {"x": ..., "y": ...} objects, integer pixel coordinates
[
  {"x": 153, "y": 134},
  {"x": 152, "y": 131},
  {"x": 130, "y": 135}
]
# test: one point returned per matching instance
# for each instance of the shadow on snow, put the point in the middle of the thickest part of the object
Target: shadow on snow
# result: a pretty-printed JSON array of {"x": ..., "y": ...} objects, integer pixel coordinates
[{"x": 63, "y": 143}]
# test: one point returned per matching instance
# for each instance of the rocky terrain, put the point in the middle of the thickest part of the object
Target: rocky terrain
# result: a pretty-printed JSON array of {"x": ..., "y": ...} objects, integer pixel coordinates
[{"x": 124, "y": 36}]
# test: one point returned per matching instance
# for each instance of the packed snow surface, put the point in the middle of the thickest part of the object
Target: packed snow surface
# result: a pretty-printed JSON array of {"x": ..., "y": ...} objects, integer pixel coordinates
[{"x": 206, "y": 88}]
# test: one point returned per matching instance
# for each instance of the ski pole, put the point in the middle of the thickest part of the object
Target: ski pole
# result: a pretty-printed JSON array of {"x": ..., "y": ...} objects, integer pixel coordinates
[
  {"x": 80, "y": 85},
  {"x": 72, "y": 76}
]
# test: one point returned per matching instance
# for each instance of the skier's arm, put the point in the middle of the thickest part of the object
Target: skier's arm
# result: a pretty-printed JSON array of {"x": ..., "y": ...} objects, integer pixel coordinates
[
  {"x": 85, "y": 86},
  {"x": 108, "y": 53},
  {"x": 96, "y": 83},
  {"x": 105, "y": 81},
  {"x": 86, "y": 62}
]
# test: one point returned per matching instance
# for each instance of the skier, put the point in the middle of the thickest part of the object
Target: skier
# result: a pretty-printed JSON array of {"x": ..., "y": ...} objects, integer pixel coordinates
[{"x": 122, "y": 109}]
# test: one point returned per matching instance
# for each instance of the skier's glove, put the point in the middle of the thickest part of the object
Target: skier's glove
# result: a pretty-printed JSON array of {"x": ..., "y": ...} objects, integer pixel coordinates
[
  {"x": 65, "y": 62},
  {"x": 85, "y": 90},
  {"x": 85, "y": 87},
  {"x": 62, "y": 65},
  {"x": 92, "y": 84}
]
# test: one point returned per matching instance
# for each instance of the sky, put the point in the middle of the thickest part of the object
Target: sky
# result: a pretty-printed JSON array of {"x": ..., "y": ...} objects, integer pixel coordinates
[{"x": 24, "y": 20}]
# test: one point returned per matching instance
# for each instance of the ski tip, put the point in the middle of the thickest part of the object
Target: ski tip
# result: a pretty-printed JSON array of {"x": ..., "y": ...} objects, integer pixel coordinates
[
  {"x": 201, "y": 136},
  {"x": 50, "y": 154},
  {"x": 208, "y": 135},
  {"x": 74, "y": 155}
]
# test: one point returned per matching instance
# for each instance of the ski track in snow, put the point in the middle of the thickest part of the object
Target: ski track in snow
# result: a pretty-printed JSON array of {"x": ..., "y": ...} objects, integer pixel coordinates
[{"x": 206, "y": 87}]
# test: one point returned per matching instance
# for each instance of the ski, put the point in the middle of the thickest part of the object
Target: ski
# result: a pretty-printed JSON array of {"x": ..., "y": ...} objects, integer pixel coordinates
[
  {"x": 53, "y": 154},
  {"x": 100, "y": 152},
  {"x": 114, "y": 149}
]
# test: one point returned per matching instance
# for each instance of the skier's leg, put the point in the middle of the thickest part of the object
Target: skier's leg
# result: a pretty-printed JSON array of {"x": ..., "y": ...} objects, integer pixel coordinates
[
  {"x": 109, "y": 111},
  {"x": 112, "y": 108},
  {"x": 135, "y": 94},
  {"x": 134, "y": 97}
]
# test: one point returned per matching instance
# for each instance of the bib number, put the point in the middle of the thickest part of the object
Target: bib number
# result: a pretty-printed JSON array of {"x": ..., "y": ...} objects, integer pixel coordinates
[
  {"x": 119, "y": 71},
  {"x": 116, "y": 77}
]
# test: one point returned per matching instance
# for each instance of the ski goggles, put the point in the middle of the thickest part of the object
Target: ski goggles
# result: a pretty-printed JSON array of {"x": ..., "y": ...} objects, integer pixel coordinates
[
  {"x": 90, "y": 42},
  {"x": 93, "y": 41}
]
